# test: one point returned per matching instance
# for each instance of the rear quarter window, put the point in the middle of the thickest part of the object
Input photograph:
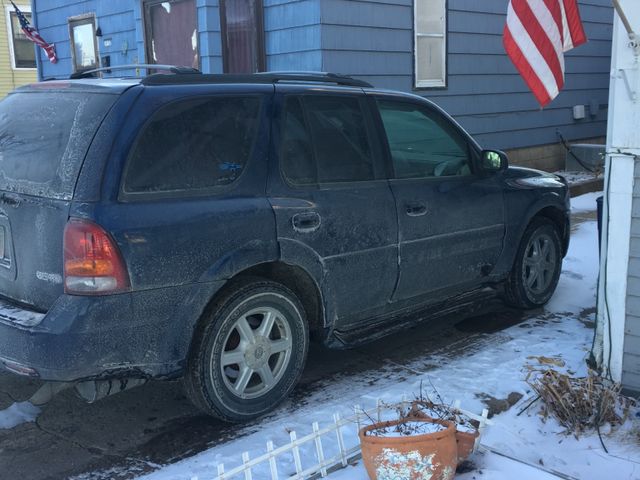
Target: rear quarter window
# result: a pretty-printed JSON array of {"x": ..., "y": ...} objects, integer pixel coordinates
[
  {"x": 44, "y": 138},
  {"x": 194, "y": 145}
]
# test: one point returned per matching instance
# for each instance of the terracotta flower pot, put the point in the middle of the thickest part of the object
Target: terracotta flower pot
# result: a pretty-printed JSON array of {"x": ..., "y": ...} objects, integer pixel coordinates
[
  {"x": 430, "y": 456},
  {"x": 465, "y": 440}
]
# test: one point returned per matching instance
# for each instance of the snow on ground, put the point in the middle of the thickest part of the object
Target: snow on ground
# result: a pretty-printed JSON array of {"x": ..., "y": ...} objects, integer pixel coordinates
[
  {"x": 584, "y": 203},
  {"x": 562, "y": 330},
  {"x": 17, "y": 413}
]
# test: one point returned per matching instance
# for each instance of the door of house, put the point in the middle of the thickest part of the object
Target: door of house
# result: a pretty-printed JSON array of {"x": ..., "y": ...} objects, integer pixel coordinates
[
  {"x": 171, "y": 32},
  {"x": 242, "y": 30}
]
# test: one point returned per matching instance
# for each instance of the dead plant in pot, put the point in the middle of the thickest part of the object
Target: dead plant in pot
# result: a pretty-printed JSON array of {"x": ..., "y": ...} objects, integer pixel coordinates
[
  {"x": 409, "y": 448},
  {"x": 467, "y": 429}
]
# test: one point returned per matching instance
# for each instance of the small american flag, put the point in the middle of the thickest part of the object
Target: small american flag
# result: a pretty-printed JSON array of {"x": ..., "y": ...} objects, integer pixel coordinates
[
  {"x": 536, "y": 37},
  {"x": 33, "y": 35}
]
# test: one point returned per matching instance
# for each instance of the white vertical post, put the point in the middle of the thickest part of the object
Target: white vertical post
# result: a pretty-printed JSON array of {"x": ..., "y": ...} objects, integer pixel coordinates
[
  {"x": 356, "y": 410},
  {"x": 379, "y": 409},
  {"x": 247, "y": 472},
  {"x": 343, "y": 454},
  {"x": 272, "y": 461},
  {"x": 296, "y": 452},
  {"x": 623, "y": 135},
  {"x": 319, "y": 451},
  {"x": 483, "y": 424},
  {"x": 221, "y": 471}
]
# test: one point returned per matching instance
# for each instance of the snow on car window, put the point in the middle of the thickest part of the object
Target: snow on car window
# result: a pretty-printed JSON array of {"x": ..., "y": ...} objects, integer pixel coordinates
[{"x": 44, "y": 137}]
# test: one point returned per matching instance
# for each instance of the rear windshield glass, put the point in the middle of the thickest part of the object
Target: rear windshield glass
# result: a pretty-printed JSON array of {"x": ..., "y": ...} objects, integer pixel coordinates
[{"x": 44, "y": 137}]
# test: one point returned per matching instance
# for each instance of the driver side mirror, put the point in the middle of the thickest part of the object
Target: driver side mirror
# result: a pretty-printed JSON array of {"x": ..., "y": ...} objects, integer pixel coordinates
[{"x": 494, "y": 161}]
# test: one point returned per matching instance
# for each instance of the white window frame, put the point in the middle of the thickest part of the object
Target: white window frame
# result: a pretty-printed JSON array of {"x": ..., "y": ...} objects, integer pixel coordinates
[
  {"x": 72, "y": 44},
  {"x": 8, "y": 11},
  {"x": 423, "y": 83}
]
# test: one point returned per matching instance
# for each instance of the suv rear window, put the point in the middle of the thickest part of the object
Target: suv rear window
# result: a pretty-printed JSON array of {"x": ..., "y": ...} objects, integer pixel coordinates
[
  {"x": 194, "y": 145},
  {"x": 44, "y": 137}
]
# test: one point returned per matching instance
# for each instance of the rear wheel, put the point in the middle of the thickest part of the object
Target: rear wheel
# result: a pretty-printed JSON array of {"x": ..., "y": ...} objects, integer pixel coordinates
[
  {"x": 537, "y": 266},
  {"x": 250, "y": 353}
]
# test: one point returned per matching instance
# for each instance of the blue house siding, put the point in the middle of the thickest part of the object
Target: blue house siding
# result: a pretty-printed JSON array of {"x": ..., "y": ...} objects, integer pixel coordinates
[
  {"x": 52, "y": 21},
  {"x": 373, "y": 40},
  {"x": 292, "y": 34}
]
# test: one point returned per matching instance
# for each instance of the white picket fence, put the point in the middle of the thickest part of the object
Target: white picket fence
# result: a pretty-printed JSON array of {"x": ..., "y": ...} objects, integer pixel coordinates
[{"x": 322, "y": 464}]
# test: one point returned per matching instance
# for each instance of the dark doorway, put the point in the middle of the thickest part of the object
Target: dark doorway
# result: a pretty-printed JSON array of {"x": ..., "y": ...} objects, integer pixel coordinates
[
  {"x": 171, "y": 32},
  {"x": 242, "y": 27}
]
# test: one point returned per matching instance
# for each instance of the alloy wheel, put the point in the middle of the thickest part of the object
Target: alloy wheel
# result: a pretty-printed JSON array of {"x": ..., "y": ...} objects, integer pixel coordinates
[
  {"x": 540, "y": 263},
  {"x": 256, "y": 352}
]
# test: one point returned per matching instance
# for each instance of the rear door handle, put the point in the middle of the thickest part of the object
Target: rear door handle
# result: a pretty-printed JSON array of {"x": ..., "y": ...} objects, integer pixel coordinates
[
  {"x": 415, "y": 209},
  {"x": 306, "y": 222}
]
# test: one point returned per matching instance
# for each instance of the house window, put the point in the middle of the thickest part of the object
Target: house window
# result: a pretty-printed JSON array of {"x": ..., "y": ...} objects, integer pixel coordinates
[
  {"x": 171, "y": 32},
  {"x": 23, "y": 54},
  {"x": 242, "y": 27},
  {"x": 84, "y": 47},
  {"x": 430, "y": 45}
]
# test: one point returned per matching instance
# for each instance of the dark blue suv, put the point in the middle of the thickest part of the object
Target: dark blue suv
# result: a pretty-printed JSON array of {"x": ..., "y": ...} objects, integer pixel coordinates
[{"x": 205, "y": 226}]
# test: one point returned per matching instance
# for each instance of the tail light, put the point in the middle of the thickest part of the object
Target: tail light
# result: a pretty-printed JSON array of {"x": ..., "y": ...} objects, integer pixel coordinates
[{"x": 92, "y": 262}]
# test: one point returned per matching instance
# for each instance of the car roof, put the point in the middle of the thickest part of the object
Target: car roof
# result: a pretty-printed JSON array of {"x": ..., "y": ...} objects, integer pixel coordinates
[
  {"x": 299, "y": 79},
  {"x": 85, "y": 85}
]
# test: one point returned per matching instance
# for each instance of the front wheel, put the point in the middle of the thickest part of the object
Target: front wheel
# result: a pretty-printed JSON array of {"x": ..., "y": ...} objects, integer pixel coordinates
[
  {"x": 250, "y": 352},
  {"x": 537, "y": 266}
]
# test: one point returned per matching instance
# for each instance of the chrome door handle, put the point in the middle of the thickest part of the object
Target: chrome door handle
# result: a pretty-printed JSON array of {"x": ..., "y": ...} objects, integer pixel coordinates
[{"x": 306, "y": 222}]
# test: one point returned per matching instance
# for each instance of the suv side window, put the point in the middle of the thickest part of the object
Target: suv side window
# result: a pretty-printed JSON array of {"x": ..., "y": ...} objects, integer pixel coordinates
[
  {"x": 422, "y": 142},
  {"x": 196, "y": 144},
  {"x": 325, "y": 140}
]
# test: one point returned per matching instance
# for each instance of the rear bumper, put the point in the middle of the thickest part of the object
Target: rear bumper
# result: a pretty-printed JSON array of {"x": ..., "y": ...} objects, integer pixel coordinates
[{"x": 138, "y": 334}]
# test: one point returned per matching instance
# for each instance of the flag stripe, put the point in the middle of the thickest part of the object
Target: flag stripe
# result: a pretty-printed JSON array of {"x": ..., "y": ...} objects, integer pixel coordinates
[
  {"x": 541, "y": 26},
  {"x": 33, "y": 35},
  {"x": 536, "y": 35},
  {"x": 531, "y": 54},
  {"x": 523, "y": 66},
  {"x": 572, "y": 14}
]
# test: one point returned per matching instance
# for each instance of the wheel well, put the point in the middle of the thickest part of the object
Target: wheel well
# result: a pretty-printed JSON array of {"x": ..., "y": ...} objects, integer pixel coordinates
[
  {"x": 301, "y": 283},
  {"x": 558, "y": 217}
]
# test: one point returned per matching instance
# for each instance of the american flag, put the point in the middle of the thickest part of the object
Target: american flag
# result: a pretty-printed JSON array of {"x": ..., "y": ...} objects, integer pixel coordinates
[
  {"x": 536, "y": 36},
  {"x": 33, "y": 35}
]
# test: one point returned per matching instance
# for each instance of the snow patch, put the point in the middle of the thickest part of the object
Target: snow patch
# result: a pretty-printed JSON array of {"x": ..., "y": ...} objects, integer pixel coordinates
[
  {"x": 407, "y": 428},
  {"x": 585, "y": 203},
  {"x": 20, "y": 412}
]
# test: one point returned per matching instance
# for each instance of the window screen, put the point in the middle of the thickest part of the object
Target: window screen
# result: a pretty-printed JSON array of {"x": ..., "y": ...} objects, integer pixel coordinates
[
  {"x": 430, "y": 29},
  {"x": 325, "y": 140},
  {"x": 423, "y": 143},
  {"x": 195, "y": 144}
]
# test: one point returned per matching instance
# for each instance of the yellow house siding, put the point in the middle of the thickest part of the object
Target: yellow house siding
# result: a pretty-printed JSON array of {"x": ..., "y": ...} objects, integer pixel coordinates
[{"x": 10, "y": 77}]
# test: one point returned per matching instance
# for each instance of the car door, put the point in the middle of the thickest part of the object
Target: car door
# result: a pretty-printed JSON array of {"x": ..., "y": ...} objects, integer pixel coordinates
[
  {"x": 450, "y": 215},
  {"x": 331, "y": 198}
]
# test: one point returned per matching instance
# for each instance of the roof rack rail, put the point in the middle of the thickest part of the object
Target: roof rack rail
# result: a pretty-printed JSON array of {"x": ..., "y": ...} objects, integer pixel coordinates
[
  {"x": 135, "y": 66},
  {"x": 265, "y": 77}
]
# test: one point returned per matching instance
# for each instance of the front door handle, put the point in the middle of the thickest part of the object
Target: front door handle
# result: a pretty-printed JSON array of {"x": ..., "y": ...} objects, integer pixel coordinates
[
  {"x": 415, "y": 209},
  {"x": 306, "y": 222}
]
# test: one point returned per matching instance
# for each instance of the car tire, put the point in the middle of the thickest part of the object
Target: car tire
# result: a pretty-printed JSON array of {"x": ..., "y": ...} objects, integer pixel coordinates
[
  {"x": 249, "y": 351},
  {"x": 536, "y": 269}
]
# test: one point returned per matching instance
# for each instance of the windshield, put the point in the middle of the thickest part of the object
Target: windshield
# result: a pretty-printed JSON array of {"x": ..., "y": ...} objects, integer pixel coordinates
[{"x": 44, "y": 137}]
